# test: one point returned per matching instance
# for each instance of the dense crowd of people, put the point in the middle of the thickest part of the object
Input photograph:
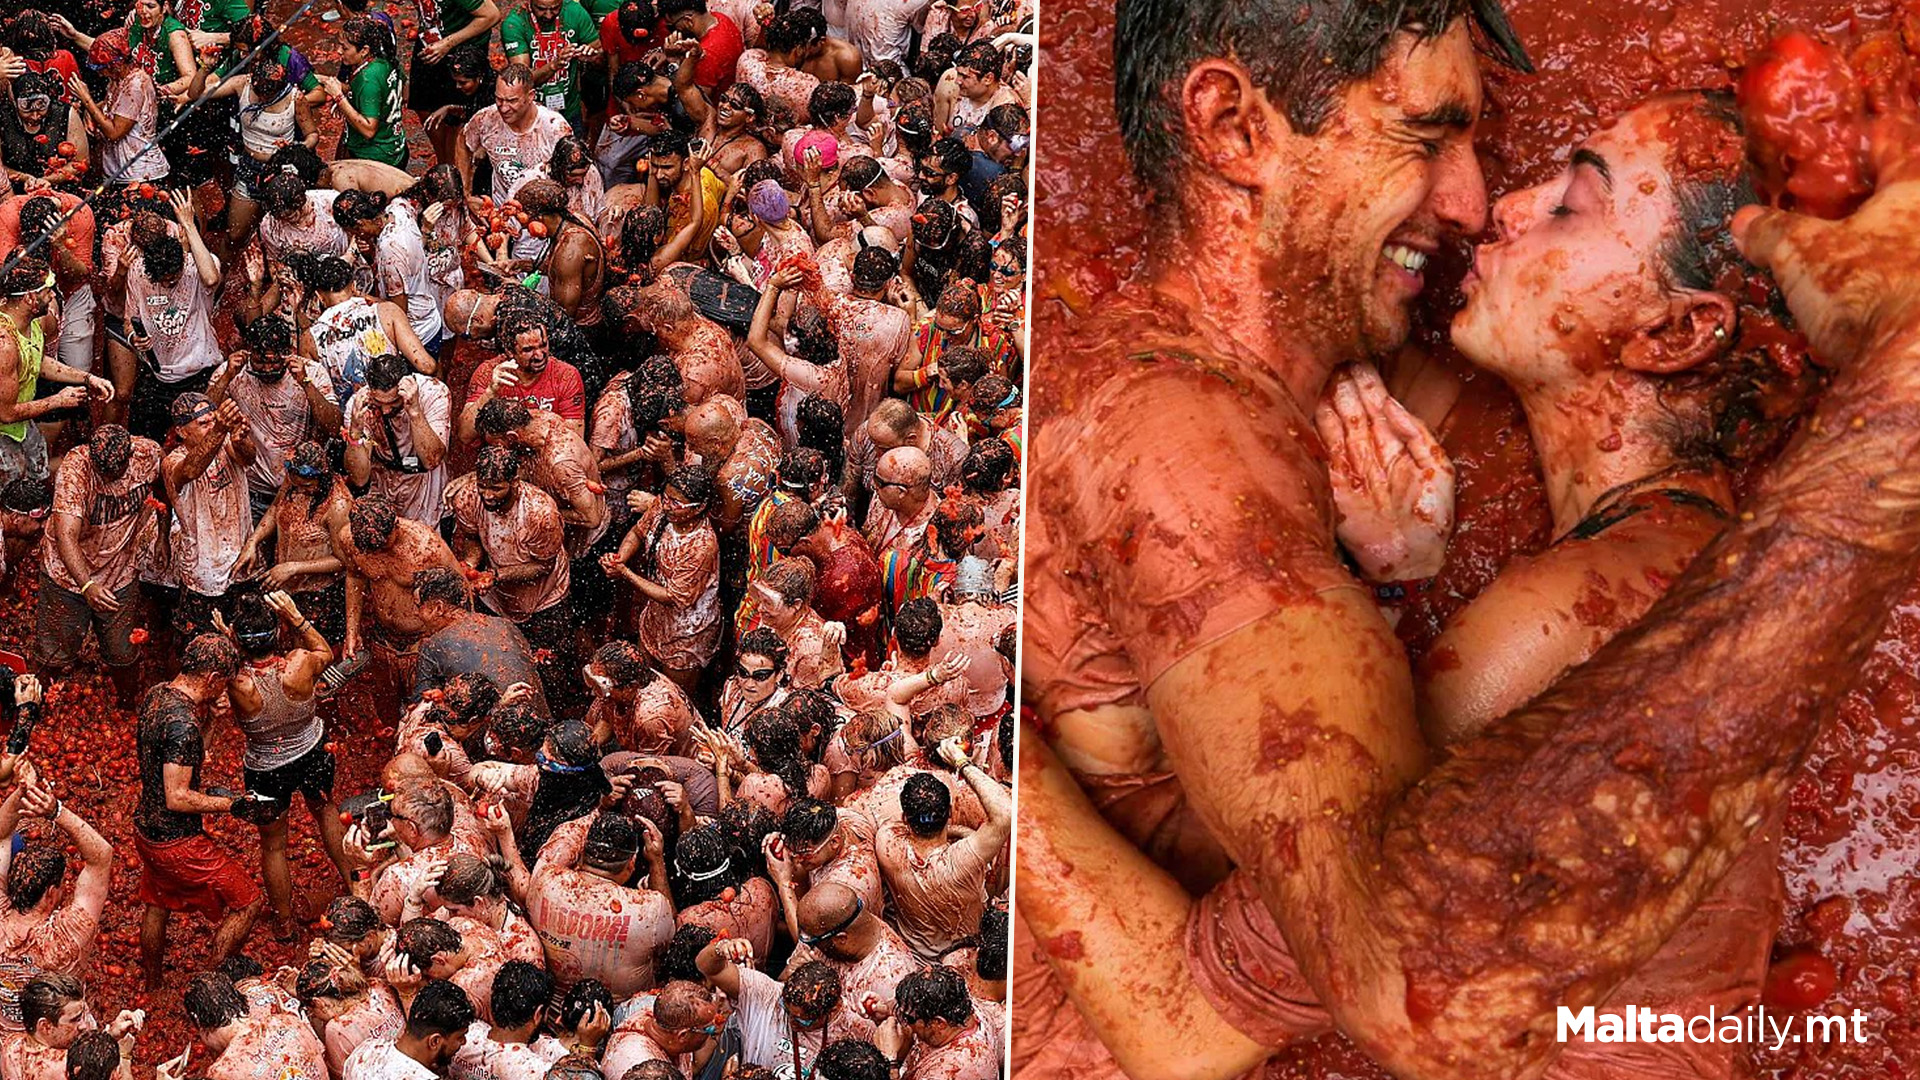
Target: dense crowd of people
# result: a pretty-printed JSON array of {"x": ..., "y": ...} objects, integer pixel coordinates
[{"x": 620, "y": 403}]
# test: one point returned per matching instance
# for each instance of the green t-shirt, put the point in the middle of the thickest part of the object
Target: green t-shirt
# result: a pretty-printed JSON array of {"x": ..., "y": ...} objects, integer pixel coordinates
[
  {"x": 456, "y": 14},
  {"x": 524, "y": 40},
  {"x": 376, "y": 94},
  {"x": 163, "y": 68},
  {"x": 599, "y": 9},
  {"x": 221, "y": 16}
]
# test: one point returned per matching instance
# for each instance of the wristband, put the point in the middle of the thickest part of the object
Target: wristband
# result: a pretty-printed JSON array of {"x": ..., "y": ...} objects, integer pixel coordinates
[
  {"x": 918, "y": 377},
  {"x": 90, "y": 584}
]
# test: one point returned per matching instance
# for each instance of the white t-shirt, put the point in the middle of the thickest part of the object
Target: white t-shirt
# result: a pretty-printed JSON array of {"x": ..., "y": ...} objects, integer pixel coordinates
[
  {"x": 178, "y": 319},
  {"x": 418, "y": 495},
  {"x": 379, "y": 1059},
  {"x": 484, "y": 1059},
  {"x": 400, "y": 265},
  {"x": 134, "y": 98}
]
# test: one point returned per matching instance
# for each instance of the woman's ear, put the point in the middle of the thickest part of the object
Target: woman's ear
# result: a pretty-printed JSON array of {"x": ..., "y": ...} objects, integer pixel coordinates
[
  {"x": 1697, "y": 326},
  {"x": 1227, "y": 120}
]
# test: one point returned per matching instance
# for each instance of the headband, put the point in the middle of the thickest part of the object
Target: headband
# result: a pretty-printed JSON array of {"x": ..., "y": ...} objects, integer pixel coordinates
[
  {"x": 704, "y": 875},
  {"x": 47, "y": 284}
]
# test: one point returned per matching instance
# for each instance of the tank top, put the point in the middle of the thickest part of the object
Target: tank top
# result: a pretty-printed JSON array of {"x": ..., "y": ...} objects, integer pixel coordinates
[
  {"x": 264, "y": 127},
  {"x": 33, "y": 349},
  {"x": 283, "y": 730}
]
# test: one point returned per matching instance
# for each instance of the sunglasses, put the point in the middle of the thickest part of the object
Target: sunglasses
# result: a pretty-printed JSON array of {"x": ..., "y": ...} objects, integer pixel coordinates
[
  {"x": 902, "y": 485},
  {"x": 846, "y": 924},
  {"x": 35, "y": 102},
  {"x": 757, "y": 674},
  {"x": 1009, "y": 269}
]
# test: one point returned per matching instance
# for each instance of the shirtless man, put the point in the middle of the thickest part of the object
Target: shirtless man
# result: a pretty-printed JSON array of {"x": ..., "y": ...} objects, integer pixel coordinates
[
  {"x": 39, "y": 921},
  {"x": 1351, "y": 864},
  {"x": 972, "y": 619},
  {"x": 592, "y": 925},
  {"x": 556, "y": 460},
  {"x": 274, "y": 706},
  {"x": 741, "y": 455},
  {"x": 309, "y": 509},
  {"x": 575, "y": 261},
  {"x": 903, "y": 503},
  {"x": 939, "y": 887},
  {"x": 873, "y": 333},
  {"x": 247, "y": 1043},
  {"x": 701, "y": 348},
  {"x": 382, "y": 552}
]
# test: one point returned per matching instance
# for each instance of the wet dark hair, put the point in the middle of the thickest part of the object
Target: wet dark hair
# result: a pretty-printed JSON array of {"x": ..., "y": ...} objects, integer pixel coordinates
[
  {"x": 350, "y": 919},
  {"x": 812, "y": 990},
  {"x": 787, "y": 32},
  {"x": 93, "y": 1055},
  {"x": 935, "y": 992},
  {"x": 441, "y": 183},
  {"x": 1006, "y": 121},
  {"x": 950, "y": 154},
  {"x": 496, "y": 465},
  {"x": 39, "y": 217},
  {"x": 822, "y": 425},
  {"x": 637, "y": 17},
  {"x": 581, "y": 997},
  {"x": 111, "y": 448},
  {"x": 209, "y": 654},
  {"x": 612, "y": 842},
  {"x": 372, "y": 522},
  {"x": 641, "y": 232},
  {"x": 773, "y": 737},
  {"x": 851, "y": 1059},
  {"x": 926, "y": 804},
  {"x": 442, "y": 584},
  {"x": 519, "y": 990},
  {"x": 306, "y": 165},
  {"x": 212, "y": 1001},
  {"x": 800, "y": 468},
  {"x": 26, "y": 494},
  {"x": 518, "y": 727},
  {"x": 283, "y": 191},
  {"x": 352, "y": 209},
  {"x": 441, "y": 1008},
  {"x": 809, "y": 821},
  {"x": 763, "y": 641},
  {"x": 703, "y": 866},
  {"x": 31, "y": 34},
  {"x": 917, "y": 626},
  {"x": 46, "y": 996},
  {"x": 501, "y": 415},
  {"x": 632, "y": 77},
  {"x": 936, "y": 225},
  {"x": 915, "y": 127},
  {"x": 469, "y": 696},
  {"x": 791, "y": 522},
  {"x": 990, "y": 961},
  {"x": 240, "y": 967},
  {"x": 873, "y": 267},
  {"x": 936, "y": 55},
  {"x": 270, "y": 335},
  {"x": 385, "y": 371},
  {"x": 813, "y": 338},
  {"x": 37, "y": 868},
  {"x": 322, "y": 273},
  {"x": 1301, "y": 52},
  {"x": 568, "y": 154},
  {"x": 980, "y": 56},
  {"x": 669, "y": 143},
  {"x": 420, "y": 940},
  {"x": 163, "y": 257},
  {"x": 693, "y": 481},
  {"x": 655, "y": 1070},
  {"x": 625, "y": 664},
  {"x": 746, "y": 825},
  {"x": 469, "y": 878},
  {"x": 988, "y": 464},
  {"x": 255, "y": 626},
  {"x": 831, "y": 102},
  {"x": 366, "y": 32},
  {"x": 29, "y": 274},
  {"x": 753, "y": 99},
  {"x": 675, "y": 960}
]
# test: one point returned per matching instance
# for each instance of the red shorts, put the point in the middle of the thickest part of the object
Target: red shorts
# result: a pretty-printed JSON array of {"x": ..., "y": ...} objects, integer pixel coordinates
[{"x": 193, "y": 874}]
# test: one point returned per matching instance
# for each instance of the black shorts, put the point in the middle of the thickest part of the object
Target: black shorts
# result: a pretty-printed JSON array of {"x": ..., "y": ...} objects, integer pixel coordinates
[
  {"x": 311, "y": 774},
  {"x": 429, "y": 86}
]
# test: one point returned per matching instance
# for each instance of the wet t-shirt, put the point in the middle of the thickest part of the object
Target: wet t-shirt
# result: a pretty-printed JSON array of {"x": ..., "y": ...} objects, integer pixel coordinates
[
  {"x": 530, "y": 531},
  {"x": 178, "y": 319},
  {"x": 516, "y": 156},
  {"x": 876, "y": 974},
  {"x": 938, "y": 897},
  {"x": 22, "y": 1058},
  {"x": 376, "y": 1017},
  {"x": 119, "y": 523},
  {"x": 770, "y": 1039},
  {"x": 279, "y": 417},
  {"x": 212, "y": 517},
  {"x": 557, "y": 389},
  {"x": 483, "y": 1058},
  {"x": 398, "y": 473},
  {"x": 168, "y": 734},
  {"x": 973, "y": 1055}
]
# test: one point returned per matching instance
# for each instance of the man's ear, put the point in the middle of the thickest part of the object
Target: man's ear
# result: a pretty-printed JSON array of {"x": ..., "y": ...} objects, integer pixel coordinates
[
  {"x": 1696, "y": 327},
  {"x": 1226, "y": 120}
]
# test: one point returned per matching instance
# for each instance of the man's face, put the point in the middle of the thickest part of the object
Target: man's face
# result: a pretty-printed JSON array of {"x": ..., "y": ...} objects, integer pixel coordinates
[
  {"x": 819, "y": 855},
  {"x": 387, "y": 401},
  {"x": 932, "y": 177},
  {"x": 516, "y": 102},
  {"x": 33, "y": 108},
  {"x": 667, "y": 168},
  {"x": 733, "y": 109},
  {"x": 74, "y": 1019},
  {"x": 679, "y": 509},
  {"x": 693, "y": 1038},
  {"x": 948, "y": 326},
  {"x": 1354, "y": 211},
  {"x": 497, "y": 497},
  {"x": 1576, "y": 266},
  {"x": 685, "y": 23},
  {"x": 269, "y": 368},
  {"x": 973, "y": 83},
  {"x": 530, "y": 351},
  {"x": 197, "y": 431},
  {"x": 546, "y": 11}
]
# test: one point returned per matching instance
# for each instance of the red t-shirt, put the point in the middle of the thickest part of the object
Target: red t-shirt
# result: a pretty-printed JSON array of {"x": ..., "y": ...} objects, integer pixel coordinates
[
  {"x": 558, "y": 389},
  {"x": 720, "y": 51},
  {"x": 625, "y": 50},
  {"x": 79, "y": 230},
  {"x": 61, "y": 64}
]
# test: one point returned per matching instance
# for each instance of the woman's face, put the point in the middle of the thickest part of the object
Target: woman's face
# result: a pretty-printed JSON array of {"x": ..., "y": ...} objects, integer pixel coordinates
[
  {"x": 353, "y": 54},
  {"x": 1577, "y": 266},
  {"x": 149, "y": 12},
  {"x": 758, "y": 676}
]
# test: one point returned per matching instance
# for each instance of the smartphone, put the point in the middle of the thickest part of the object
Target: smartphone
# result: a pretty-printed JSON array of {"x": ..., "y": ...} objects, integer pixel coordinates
[
  {"x": 434, "y": 743},
  {"x": 698, "y": 146}
]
